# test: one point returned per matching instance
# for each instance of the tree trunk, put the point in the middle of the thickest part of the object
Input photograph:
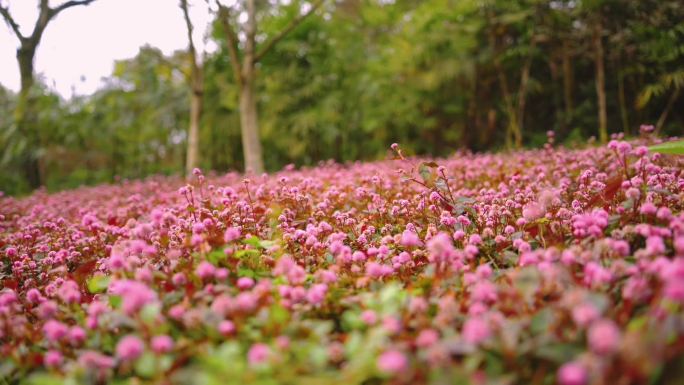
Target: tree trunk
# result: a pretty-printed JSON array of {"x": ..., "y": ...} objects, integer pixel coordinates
[
  {"x": 567, "y": 83},
  {"x": 196, "y": 98},
  {"x": 668, "y": 107},
  {"x": 557, "y": 102},
  {"x": 623, "y": 102},
  {"x": 522, "y": 97},
  {"x": 196, "y": 102},
  {"x": 600, "y": 83},
  {"x": 24, "y": 118},
  {"x": 249, "y": 125}
]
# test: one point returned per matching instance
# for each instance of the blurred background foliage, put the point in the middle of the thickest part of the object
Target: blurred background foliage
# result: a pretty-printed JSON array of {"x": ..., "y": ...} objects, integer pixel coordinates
[{"x": 433, "y": 75}]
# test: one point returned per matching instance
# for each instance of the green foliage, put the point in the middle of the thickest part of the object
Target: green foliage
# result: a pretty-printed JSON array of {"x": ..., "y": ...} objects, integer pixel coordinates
[
  {"x": 98, "y": 284},
  {"x": 676, "y": 147}
]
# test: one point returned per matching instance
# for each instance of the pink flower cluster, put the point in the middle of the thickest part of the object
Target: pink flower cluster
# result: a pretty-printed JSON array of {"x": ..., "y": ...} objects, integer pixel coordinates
[{"x": 541, "y": 266}]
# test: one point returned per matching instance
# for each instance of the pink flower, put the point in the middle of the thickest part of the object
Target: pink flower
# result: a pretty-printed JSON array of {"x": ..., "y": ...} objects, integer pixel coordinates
[
  {"x": 410, "y": 239},
  {"x": 245, "y": 283},
  {"x": 33, "y": 296},
  {"x": 135, "y": 295},
  {"x": 648, "y": 208},
  {"x": 327, "y": 276},
  {"x": 246, "y": 302},
  {"x": 283, "y": 342},
  {"x": 475, "y": 239},
  {"x": 258, "y": 354},
  {"x": 205, "y": 270},
  {"x": 221, "y": 273},
  {"x": 129, "y": 348},
  {"x": 646, "y": 128},
  {"x": 377, "y": 270},
  {"x": 440, "y": 248},
  {"x": 674, "y": 290},
  {"x": 392, "y": 361},
  {"x": 655, "y": 245},
  {"x": 176, "y": 312},
  {"x": 678, "y": 244},
  {"x": 391, "y": 324},
  {"x": 484, "y": 291},
  {"x": 226, "y": 327},
  {"x": 11, "y": 252},
  {"x": 94, "y": 360},
  {"x": 296, "y": 275},
  {"x": 46, "y": 309},
  {"x": 231, "y": 234},
  {"x": 316, "y": 293},
  {"x": 54, "y": 330},
  {"x": 69, "y": 292},
  {"x": 604, "y": 337},
  {"x": 584, "y": 314},
  {"x": 532, "y": 211},
  {"x": 53, "y": 358},
  {"x": 476, "y": 330},
  {"x": 418, "y": 305},
  {"x": 77, "y": 335},
  {"x": 162, "y": 344},
  {"x": 369, "y": 317},
  {"x": 179, "y": 279},
  {"x": 572, "y": 373},
  {"x": 427, "y": 337}
]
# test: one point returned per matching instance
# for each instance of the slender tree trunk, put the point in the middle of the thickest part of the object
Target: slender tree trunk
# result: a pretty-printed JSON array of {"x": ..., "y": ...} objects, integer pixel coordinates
[
  {"x": 600, "y": 83},
  {"x": 511, "y": 126},
  {"x": 250, "y": 128},
  {"x": 567, "y": 83},
  {"x": 196, "y": 98},
  {"x": 192, "y": 158},
  {"x": 522, "y": 96},
  {"x": 249, "y": 122},
  {"x": 557, "y": 102},
  {"x": 24, "y": 117},
  {"x": 623, "y": 102},
  {"x": 245, "y": 75},
  {"x": 666, "y": 111}
]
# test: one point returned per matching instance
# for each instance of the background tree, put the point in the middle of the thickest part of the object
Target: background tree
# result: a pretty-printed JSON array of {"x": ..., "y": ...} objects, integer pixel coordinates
[
  {"x": 196, "y": 81},
  {"x": 244, "y": 56},
  {"x": 23, "y": 112}
]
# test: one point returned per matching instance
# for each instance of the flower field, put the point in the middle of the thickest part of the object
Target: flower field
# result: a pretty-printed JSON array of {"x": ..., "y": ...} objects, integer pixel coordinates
[{"x": 534, "y": 267}]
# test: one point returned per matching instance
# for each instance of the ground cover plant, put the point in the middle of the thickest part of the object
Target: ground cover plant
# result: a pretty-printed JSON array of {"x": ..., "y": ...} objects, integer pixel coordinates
[{"x": 532, "y": 267}]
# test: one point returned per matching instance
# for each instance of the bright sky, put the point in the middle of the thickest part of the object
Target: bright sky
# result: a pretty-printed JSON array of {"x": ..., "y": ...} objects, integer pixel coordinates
[{"x": 80, "y": 46}]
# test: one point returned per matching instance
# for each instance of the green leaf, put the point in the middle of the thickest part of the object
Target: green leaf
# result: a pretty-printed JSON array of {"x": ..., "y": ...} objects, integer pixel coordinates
[
  {"x": 245, "y": 272},
  {"x": 98, "y": 283},
  {"x": 675, "y": 148},
  {"x": 558, "y": 353},
  {"x": 540, "y": 322},
  {"x": 44, "y": 379},
  {"x": 246, "y": 253},
  {"x": 258, "y": 243},
  {"x": 150, "y": 312},
  {"x": 425, "y": 173},
  {"x": 145, "y": 366},
  {"x": 278, "y": 315},
  {"x": 252, "y": 241},
  {"x": 115, "y": 301},
  {"x": 216, "y": 256}
]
